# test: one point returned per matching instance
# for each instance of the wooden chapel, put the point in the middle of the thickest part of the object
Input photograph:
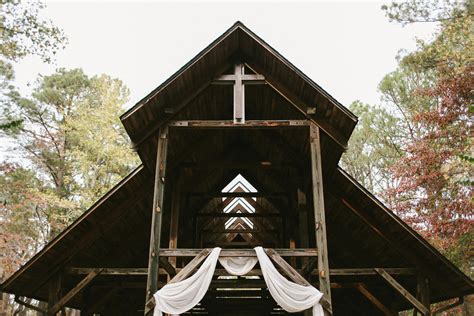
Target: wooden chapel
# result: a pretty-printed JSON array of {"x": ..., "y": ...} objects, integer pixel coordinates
[{"x": 239, "y": 149}]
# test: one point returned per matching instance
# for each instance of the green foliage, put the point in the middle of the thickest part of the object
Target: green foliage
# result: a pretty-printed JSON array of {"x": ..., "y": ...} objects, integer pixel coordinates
[
  {"x": 100, "y": 146},
  {"x": 24, "y": 33},
  {"x": 73, "y": 149},
  {"x": 373, "y": 147},
  {"x": 412, "y": 11},
  {"x": 427, "y": 102}
]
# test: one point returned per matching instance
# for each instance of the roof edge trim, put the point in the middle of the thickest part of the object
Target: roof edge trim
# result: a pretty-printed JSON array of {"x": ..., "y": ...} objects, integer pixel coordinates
[
  {"x": 181, "y": 70},
  {"x": 56, "y": 239},
  {"x": 299, "y": 72},
  {"x": 406, "y": 227}
]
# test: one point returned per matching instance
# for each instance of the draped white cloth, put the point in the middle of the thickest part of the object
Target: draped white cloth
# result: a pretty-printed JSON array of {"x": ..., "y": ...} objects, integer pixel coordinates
[
  {"x": 238, "y": 265},
  {"x": 291, "y": 296},
  {"x": 177, "y": 298}
]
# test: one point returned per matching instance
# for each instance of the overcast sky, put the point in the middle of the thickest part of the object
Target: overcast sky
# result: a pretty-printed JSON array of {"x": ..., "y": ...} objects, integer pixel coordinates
[{"x": 346, "y": 47}]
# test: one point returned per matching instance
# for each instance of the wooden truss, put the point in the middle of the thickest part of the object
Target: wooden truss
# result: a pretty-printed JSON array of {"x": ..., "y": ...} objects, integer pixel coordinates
[{"x": 162, "y": 261}]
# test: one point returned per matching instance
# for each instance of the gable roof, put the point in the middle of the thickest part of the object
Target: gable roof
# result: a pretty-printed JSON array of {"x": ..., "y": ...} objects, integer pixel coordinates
[
  {"x": 237, "y": 43},
  {"x": 132, "y": 196},
  {"x": 447, "y": 281}
]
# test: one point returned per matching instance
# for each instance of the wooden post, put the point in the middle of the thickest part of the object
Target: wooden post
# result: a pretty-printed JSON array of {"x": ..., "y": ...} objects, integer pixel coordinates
[
  {"x": 158, "y": 197},
  {"x": 61, "y": 303},
  {"x": 239, "y": 79},
  {"x": 175, "y": 206},
  {"x": 319, "y": 212},
  {"x": 55, "y": 292},
  {"x": 423, "y": 292},
  {"x": 384, "y": 309},
  {"x": 239, "y": 98},
  {"x": 292, "y": 215},
  {"x": 302, "y": 224},
  {"x": 303, "y": 219}
]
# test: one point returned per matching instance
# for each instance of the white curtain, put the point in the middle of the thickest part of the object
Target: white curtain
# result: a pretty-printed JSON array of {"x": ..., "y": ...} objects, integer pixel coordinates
[
  {"x": 291, "y": 296},
  {"x": 180, "y": 297},
  {"x": 238, "y": 265},
  {"x": 177, "y": 298}
]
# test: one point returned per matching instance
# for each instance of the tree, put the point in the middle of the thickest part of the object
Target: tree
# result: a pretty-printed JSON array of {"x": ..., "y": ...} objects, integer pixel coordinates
[
  {"x": 22, "y": 33},
  {"x": 434, "y": 191},
  {"x": 73, "y": 150},
  {"x": 426, "y": 115},
  {"x": 373, "y": 148}
]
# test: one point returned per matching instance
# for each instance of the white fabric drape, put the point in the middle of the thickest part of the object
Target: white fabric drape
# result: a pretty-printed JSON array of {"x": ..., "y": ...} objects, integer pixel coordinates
[
  {"x": 291, "y": 296},
  {"x": 238, "y": 265},
  {"x": 177, "y": 298}
]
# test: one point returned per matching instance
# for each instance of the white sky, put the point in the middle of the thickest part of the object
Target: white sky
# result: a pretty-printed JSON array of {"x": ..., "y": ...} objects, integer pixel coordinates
[{"x": 346, "y": 47}]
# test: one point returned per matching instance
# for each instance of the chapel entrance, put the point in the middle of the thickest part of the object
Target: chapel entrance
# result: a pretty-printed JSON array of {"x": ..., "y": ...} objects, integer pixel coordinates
[{"x": 237, "y": 186}]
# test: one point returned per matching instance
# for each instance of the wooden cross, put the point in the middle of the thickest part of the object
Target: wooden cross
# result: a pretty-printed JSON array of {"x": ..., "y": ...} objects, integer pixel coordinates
[{"x": 239, "y": 79}]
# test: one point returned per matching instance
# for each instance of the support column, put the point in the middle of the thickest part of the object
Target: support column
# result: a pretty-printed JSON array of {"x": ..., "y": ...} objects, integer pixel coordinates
[
  {"x": 319, "y": 213},
  {"x": 423, "y": 293},
  {"x": 55, "y": 292},
  {"x": 158, "y": 196},
  {"x": 303, "y": 219},
  {"x": 292, "y": 224},
  {"x": 302, "y": 224},
  {"x": 175, "y": 210}
]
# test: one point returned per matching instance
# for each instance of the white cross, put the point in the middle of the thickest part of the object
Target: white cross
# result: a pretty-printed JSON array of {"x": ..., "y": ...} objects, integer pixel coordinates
[{"x": 239, "y": 79}]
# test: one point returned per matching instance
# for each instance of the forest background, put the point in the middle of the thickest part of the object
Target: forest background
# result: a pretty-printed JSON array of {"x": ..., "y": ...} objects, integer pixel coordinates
[{"x": 414, "y": 149}]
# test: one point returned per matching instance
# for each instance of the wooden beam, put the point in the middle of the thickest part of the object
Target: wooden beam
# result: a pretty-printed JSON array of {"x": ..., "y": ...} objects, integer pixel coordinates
[
  {"x": 169, "y": 268},
  {"x": 246, "y": 78},
  {"x": 296, "y": 277},
  {"x": 188, "y": 269},
  {"x": 100, "y": 302},
  {"x": 230, "y": 215},
  {"x": 308, "y": 267},
  {"x": 371, "y": 271},
  {"x": 109, "y": 271},
  {"x": 370, "y": 223},
  {"x": 363, "y": 289},
  {"x": 302, "y": 107},
  {"x": 175, "y": 210},
  {"x": 284, "y": 252},
  {"x": 158, "y": 197},
  {"x": 111, "y": 218},
  {"x": 286, "y": 267},
  {"x": 240, "y": 231},
  {"x": 154, "y": 129},
  {"x": 400, "y": 289},
  {"x": 319, "y": 212},
  {"x": 238, "y": 164},
  {"x": 70, "y": 295},
  {"x": 30, "y": 306},
  {"x": 259, "y": 209},
  {"x": 231, "y": 124},
  {"x": 240, "y": 194}
]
